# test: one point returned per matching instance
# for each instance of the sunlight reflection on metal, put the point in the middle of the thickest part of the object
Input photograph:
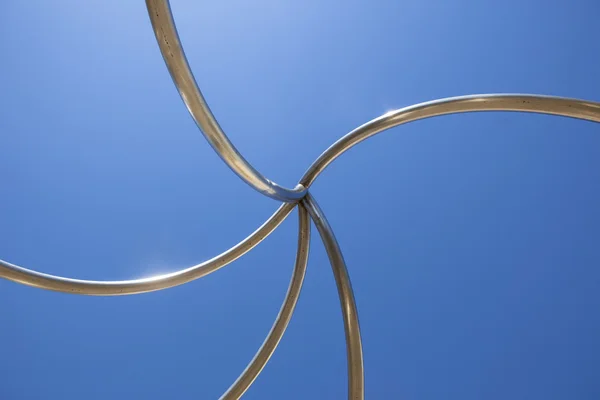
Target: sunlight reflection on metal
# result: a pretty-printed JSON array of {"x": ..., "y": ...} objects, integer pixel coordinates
[{"x": 172, "y": 51}]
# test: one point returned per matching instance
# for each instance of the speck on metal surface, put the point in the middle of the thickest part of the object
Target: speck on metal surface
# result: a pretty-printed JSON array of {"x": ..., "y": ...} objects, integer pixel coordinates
[{"x": 174, "y": 57}]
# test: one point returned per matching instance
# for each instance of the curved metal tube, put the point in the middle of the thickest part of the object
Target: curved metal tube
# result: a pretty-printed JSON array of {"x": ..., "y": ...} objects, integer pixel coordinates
[
  {"x": 356, "y": 375},
  {"x": 174, "y": 56},
  {"x": 239, "y": 387},
  {"x": 574, "y": 108},
  {"x": 114, "y": 288}
]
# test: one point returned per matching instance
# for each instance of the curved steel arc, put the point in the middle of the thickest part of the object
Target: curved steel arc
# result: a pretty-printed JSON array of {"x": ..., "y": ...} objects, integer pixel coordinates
[
  {"x": 239, "y": 387},
  {"x": 574, "y": 108},
  {"x": 356, "y": 375},
  {"x": 113, "y": 288},
  {"x": 163, "y": 24}
]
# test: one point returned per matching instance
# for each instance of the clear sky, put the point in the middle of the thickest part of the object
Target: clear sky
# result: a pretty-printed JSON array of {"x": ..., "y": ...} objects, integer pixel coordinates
[{"x": 471, "y": 240}]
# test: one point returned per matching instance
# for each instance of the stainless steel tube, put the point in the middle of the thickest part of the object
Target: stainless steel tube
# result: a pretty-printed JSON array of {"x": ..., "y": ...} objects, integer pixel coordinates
[
  {"x": 113, "y": 288},
  {"x": 265, "y": 352},
  {"x": 574, "y": 108},
  {"x": 356, "y": 378},
  {"x": 174, "y": 56}
]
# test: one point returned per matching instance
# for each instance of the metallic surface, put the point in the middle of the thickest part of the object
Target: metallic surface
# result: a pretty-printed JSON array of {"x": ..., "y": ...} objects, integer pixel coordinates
[
  {"x": 356, "y": 375},
  {"x": 172, "y": 51},
  {"x": 283, "y": 318}
]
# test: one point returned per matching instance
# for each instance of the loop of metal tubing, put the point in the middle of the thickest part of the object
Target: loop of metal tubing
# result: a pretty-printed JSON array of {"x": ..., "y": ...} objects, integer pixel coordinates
[
  {"x": 174, "y": 56},
  {"x": 239, "y": 387},
  {"x": 574, "y": 108},
  {"x": 565, "y": 107},
  {"x": 113, "y": 288},
  {"x": 356, "y": 378}
]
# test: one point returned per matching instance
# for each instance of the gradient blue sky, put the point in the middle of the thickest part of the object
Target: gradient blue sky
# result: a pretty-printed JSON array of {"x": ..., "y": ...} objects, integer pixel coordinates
[{"x": 472, "y": 240}]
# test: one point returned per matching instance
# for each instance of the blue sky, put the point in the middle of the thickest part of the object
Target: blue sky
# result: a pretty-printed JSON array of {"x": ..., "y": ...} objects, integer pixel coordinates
[{"x": 471, "y": 240}]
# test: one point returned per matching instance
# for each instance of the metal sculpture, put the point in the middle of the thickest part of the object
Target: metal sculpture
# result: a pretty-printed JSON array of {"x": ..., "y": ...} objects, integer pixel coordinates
[{"x": 175, "y": 59}]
